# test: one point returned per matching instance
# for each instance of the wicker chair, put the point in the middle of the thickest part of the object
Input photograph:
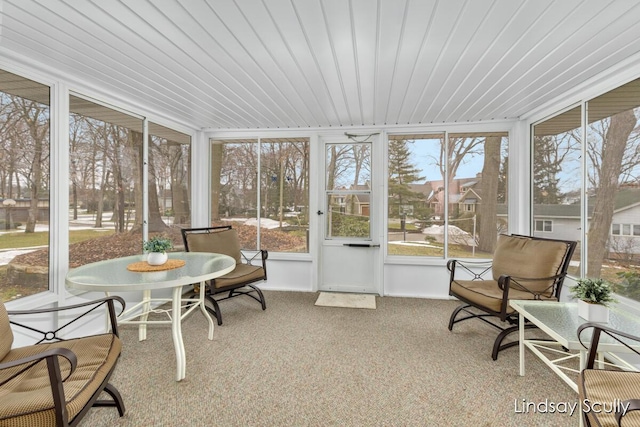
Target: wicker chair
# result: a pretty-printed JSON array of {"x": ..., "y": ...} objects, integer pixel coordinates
[
  {"x": 56, "y": 381},
  {"x": 522, "y": 268},
  {"x": 240, "y": 281},
  {"x": 617, "y": 389}
]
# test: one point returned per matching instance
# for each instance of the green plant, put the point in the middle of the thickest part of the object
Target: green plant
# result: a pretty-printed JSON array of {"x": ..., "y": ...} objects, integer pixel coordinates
[
  {"x": 157, "y": 244},
  {"x": 596, "y": 291}
]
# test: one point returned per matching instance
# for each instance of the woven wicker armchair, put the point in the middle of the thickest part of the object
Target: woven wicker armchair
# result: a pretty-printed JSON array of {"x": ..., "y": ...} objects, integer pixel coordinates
[
  {"x": 522, "y": 268},
  {"x": 618, "y": 390},
  {"x": 240, "y": 281},
  {"x": 56, "y": 381}
]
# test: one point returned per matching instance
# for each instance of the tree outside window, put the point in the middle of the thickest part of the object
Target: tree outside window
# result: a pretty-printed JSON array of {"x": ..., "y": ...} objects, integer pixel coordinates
[
  {"x": 470, "y": 209},
  {"x": 24, "y": 185},
  {"x": 612, "y": 196},
  {"x": 261, "y": 188}
]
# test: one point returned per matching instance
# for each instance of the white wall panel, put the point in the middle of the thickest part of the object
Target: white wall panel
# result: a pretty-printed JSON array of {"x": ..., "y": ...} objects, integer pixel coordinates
[
  {"x": 421, "y": 281},
  {"x": 288, "y": 275}
]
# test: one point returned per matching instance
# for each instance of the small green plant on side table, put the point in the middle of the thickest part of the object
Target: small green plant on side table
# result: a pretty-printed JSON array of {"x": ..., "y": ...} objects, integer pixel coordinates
[{"x": 594, "y": 296}]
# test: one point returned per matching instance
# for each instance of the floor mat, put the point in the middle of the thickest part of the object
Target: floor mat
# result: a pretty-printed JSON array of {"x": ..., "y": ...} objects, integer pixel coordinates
[{"x": 338, "y": 299}]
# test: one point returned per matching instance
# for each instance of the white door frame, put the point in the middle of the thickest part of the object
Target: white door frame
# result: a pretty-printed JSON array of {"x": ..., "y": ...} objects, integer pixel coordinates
[{"x": 360, "y": 248}]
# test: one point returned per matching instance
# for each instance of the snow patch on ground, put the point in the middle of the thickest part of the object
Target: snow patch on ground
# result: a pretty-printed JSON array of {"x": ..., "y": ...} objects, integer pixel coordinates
[{"x": 269, "y": 224}]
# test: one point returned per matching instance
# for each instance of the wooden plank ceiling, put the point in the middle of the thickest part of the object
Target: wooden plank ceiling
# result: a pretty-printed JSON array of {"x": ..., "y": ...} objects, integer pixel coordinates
[{"x": 254, "y": 64}]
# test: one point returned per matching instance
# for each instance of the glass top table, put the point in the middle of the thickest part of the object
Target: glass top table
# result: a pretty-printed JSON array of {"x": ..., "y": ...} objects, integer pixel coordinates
[
  {"x": 112, "y": 276},
  {"x": 560, "y": 321}
]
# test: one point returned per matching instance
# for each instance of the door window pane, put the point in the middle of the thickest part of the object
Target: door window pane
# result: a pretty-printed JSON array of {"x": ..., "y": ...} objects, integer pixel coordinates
[
  {"x": 348, "y": 166},
  {"x": 348, "y": 215},
  {"x": 24, "y": 186},
  {"x": 348, "y": 190}
]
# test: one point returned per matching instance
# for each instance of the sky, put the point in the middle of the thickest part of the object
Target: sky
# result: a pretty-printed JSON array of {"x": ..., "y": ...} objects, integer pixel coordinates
[{"x": 426, "y": 151}]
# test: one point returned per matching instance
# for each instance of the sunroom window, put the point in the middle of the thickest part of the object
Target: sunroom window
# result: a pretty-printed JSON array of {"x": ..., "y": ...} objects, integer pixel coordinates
[
  {"x": 24, "y": 186},
  {"x": 609, "y": 164},
  {"x": 261, "y": 187},
  {"x": 453, "y": 192},
  {"x": 105, "y": 170},
  {"x": 556, "y": 184}
]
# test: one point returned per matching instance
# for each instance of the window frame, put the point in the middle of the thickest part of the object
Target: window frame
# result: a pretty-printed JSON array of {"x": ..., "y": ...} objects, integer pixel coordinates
[{"x": 544, "y": 223}]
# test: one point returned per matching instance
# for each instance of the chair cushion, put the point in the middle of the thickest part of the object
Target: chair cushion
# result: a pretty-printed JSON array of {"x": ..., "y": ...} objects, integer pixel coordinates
[
  {"x": 26, "y": 399},
  {"x": 605, "y": 386},
  {"x": 221, "y": 242},
  {"x": 243, "y": 273},
  {"x": 487, "y": 293},
  {"x": 526, "y": 257},
  {"x": 6, "y": 335}
]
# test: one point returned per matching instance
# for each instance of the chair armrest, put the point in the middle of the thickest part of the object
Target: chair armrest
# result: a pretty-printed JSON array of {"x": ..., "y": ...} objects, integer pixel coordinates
[
  {"x": 599, "y": 328},
  {"x": 505, "y": 278},
  {"x": 92, "y": 306},
  {"x": 35, "y": 358},
  {"x": 633, "y": 405},
  {"x": 56, "y": 381}
]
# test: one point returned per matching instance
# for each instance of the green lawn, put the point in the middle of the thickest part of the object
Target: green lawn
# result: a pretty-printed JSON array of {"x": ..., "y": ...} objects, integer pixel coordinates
[
  {"x": 41, "y": 238},
  {"x": 454, "y": 251},
  {"x": 26, "y": 240}
]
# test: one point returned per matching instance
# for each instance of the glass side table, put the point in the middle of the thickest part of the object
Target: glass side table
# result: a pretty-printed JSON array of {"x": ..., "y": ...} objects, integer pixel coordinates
[{"x": 560, "y": 321}]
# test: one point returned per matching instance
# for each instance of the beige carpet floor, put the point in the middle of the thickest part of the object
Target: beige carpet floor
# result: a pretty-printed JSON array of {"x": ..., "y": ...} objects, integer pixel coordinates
[{"x": 297, "y": 364}]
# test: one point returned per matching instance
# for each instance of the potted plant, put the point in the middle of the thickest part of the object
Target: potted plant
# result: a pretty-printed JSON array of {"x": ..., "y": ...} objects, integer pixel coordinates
[
  {"x": 593, "y": 295},
  {"x": 157, "y": 247}
]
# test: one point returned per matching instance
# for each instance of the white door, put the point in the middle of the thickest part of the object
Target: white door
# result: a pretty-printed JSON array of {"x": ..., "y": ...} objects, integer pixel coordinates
[{"x": 350, "y": 254}]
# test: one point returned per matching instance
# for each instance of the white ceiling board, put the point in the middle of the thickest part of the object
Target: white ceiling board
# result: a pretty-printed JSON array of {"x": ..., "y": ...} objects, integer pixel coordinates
[
  {"x": 574, "y": 38},
  {"x": 486, "y": 47},
  {"x": 523, "y": 55},
  {"x": 456, "y": 55},
  {"x": 433, "y": 52},
  {"x": 257, "y": 64}
]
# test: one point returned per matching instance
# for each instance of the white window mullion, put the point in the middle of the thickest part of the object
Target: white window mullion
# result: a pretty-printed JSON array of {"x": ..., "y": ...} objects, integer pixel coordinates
[{"x": 59, "y": 190}]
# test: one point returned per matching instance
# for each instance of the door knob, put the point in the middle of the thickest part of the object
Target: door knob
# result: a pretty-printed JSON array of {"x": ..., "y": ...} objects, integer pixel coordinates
[{"x": 320, "y": 213}]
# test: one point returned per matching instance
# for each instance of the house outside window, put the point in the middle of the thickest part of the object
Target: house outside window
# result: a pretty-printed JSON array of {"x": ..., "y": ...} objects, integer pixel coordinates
[{"x": 456, "y": 186}]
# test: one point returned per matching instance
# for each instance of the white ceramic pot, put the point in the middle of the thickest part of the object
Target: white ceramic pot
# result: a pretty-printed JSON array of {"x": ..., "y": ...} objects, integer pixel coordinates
[
  {"x": 157, "y": 258},
  {"x": 593, "y": 312}
]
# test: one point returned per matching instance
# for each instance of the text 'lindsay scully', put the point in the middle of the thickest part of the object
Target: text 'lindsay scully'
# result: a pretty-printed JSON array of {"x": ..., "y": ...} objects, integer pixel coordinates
[{"x": 525, "y": 406}]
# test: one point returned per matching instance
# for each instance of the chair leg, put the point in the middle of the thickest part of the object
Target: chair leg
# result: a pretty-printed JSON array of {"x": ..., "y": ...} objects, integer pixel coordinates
[
  {"x": 117, "y": 399},
  {"x": 452, "y": 320},
  {"x": 216, "y": 309},
  {"x": 497, "y": 344},
  {"x": 260, "y": 295}
]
